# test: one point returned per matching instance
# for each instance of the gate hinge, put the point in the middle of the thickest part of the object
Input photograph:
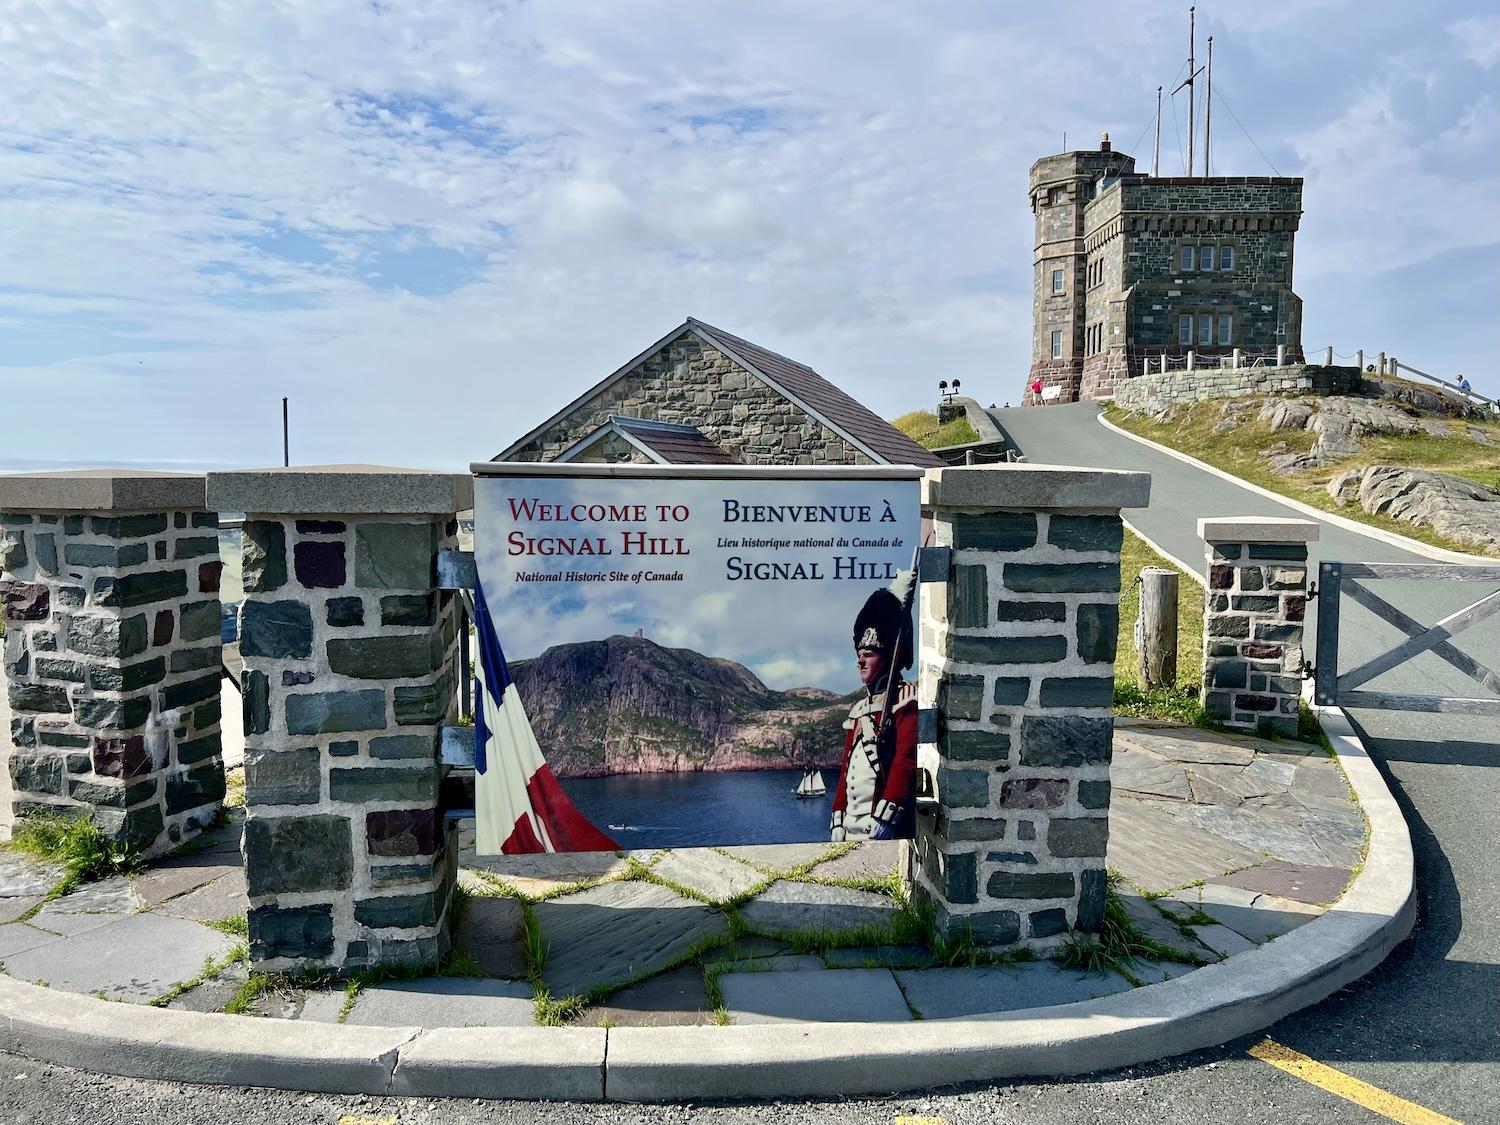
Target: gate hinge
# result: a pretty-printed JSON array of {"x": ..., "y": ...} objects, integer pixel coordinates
[
  {"x": 1312, "y": 590},
  {"x": 1308, "y": 671}
]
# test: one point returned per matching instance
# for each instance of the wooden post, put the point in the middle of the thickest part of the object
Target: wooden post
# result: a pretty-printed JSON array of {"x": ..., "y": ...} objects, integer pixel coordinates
[
  {"x": 1359, "y": 359},
  {"x": 1156, "y": 628},
  {"x": 1280, "y": 355},
  {"x": 1328, "y": 356}
]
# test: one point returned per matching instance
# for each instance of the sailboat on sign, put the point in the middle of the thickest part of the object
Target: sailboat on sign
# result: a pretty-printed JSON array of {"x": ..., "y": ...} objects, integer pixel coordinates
[{"x": 811, "y": 785}]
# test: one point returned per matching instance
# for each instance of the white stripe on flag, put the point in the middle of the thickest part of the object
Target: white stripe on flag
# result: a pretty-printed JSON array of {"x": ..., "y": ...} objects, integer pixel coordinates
[{"x": 512, "y": 758}]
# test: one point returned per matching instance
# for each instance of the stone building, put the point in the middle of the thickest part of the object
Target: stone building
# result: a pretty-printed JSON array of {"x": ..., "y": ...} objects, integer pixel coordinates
[
  {"x": 701, "y": 396},
  {"x": 1129, "y": 266}
]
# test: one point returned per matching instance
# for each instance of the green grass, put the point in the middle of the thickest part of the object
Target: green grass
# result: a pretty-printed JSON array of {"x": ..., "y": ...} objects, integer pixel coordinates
[
  {"x": 236, "y": 925},
  {"x": 923, "y": 428},
  {"x": 1179, "y": 702},
  {"x": 1237, "y": 451},
  {"x": 1118, "y": 945},
  {"x": 211, "y": 969},
  {"x": 76, "y": 843}
]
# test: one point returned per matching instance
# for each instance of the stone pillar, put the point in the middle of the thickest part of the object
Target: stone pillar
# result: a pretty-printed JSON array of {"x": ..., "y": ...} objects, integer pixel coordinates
[
  {"x": 1017, "y": 660},
  {"x": 1252, "y": 620},
  {"x": 111, "y": 596},
  {"x": 351, "y": 666}
]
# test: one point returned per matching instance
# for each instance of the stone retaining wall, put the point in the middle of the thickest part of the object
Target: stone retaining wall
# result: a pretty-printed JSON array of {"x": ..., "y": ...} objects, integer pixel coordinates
[
  {"x": 1151, "y": 394},
  {"x": 112, "y": 655},
  {"x": 1017, "y": 654}
]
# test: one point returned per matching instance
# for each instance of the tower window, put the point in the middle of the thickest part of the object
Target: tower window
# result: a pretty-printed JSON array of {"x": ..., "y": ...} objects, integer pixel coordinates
[
  {"x": 1205, "y": 257},
  {"x": 1189, "y": 258},
  {"x": 1057, "y": 281},
  {"x": 1226, "y": 257},
  {"x": 1057, "y": 343},
  {"x": 1185, "y": 328},
  {"x": 1055, "y": 195},
  {"x": 1226, "y": 329}
]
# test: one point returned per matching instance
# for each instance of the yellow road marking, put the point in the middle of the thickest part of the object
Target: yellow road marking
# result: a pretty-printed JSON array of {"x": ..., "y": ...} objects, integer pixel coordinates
[
  {"x": 908, "y": 1119},
  {"x": 1346, "y": 1086},
  {"x": 355, "y": 1119}
]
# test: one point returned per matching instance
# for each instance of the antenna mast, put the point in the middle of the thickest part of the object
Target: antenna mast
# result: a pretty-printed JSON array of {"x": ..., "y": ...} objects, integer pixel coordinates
[
  {"x": 1190, "y": 80},
  {"x": 1208, "y": 107},
  {"x": 1156, "y": 153}
]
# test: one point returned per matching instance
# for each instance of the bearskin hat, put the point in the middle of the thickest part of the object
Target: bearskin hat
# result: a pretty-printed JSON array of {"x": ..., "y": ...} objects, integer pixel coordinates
[{"x": 878, "y": 624}]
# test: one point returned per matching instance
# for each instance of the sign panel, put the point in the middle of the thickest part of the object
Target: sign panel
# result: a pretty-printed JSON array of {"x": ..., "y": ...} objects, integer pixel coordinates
[{"x": 683, "y": 662}]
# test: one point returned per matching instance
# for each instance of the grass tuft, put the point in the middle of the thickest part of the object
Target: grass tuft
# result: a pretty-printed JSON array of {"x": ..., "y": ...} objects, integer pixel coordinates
[
  {"x": 1118, "y": 944},
  {"x": 76, "y": 843},
  {"x": 922, "y": 427},
  {"x": 236, "y": 925}
]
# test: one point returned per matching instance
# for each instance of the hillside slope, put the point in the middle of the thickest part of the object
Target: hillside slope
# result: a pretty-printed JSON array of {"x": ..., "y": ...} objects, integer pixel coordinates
[{"x": 629, "y": 705}]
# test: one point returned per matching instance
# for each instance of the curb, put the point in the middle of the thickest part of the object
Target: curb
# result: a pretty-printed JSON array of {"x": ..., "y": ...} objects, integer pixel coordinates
[
  {"x": 1393, "y": 538},
  {"x": 1202, "y": 1009}
]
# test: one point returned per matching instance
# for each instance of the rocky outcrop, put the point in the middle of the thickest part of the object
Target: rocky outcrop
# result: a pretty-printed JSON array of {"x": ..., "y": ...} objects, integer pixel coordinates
[
  {"x": 1340, "y": 422},
  {"x": 1452, "y": 507},
  {"x": 629, "y": 705},
  {"x": 1429, "y": 400}
]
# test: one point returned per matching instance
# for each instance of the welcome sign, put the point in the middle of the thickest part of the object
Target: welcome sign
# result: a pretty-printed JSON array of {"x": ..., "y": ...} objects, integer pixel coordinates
[{"x": 686, "y": 658}]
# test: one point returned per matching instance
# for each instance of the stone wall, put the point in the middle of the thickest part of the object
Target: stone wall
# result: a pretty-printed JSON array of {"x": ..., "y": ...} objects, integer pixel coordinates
[
  {"x": 1017, "y": 655},
  {"x": 112, "y": 655},
  {"x": 1151, "y": 394},
  {"x": 691, "y": 383},
  {"x": 1252, "y": 623},
  {"x": 351, "y": 667}
]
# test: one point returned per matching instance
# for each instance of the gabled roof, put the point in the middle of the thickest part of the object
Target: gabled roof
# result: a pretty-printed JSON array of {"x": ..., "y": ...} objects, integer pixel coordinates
[
  {"x": 842, "y": 413},
  {"x": 666, "y": 443},
  {"x": 800, "y": 384}
]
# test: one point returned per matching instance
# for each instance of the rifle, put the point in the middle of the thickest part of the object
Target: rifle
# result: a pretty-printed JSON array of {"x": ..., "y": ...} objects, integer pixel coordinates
[{"x": 893, "y": 672}]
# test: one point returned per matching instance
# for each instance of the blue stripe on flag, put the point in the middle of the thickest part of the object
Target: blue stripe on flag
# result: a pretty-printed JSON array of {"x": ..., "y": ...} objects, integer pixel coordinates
[{"x": 496, "y": 674}]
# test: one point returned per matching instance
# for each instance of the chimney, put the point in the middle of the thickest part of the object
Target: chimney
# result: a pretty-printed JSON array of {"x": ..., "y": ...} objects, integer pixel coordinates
[{"x": 1104, "y": 143}]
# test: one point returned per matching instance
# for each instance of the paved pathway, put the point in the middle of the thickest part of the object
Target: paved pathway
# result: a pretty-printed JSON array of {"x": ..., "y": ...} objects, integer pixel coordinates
[
  {"x": 1417, "y": 1026},
  {"x": 1223, "y": 842}
]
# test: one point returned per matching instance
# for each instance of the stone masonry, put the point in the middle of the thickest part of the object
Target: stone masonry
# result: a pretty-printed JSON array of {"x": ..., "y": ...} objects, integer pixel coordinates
[
  {"x": 111, "y": 602},
  {"x": 1151, "y": 394},
  {"x": 689, "y": 381},
  {"x": 1017, "y": 654},
  {"x": 1252, "y": 622},
  {"x": 350, "y": 668}
]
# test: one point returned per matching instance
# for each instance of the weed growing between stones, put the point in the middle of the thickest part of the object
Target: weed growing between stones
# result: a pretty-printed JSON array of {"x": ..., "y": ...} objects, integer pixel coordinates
[
  {"x": 211, "y": 969},
  {"x": 1118, "y": 944},
  {"x": 1174, "y": 704},
  {"x": 236, "y": 925},
  {"x": 76, "y": 843},
  {"x": 234, "y": 788}
]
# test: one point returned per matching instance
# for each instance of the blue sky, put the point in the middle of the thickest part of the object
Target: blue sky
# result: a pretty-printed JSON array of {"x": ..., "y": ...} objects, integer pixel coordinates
[{"x": 431, "y": 224}]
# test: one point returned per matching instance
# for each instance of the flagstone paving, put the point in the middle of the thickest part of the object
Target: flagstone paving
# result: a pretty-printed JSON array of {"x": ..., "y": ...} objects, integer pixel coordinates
[
  {"x": 1223, "y": 842},
  {"x": 837, "y": 995}
]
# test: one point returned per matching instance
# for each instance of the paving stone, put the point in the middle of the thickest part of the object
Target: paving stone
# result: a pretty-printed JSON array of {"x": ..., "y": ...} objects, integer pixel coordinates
[
  {"x": 620, "y": 930},
  {"x": 444, "y": 1002},
  {"x": 747, "y": 948},
  {"x": 1222, "y": 940},
  {"x": 786, "y": 963},
  {"x": 1256, "y": 916},
  {"x": 672, "y": 999},
  {"x": 13, "y": 908},
  {"x": 213, "y": 995},
  {"x": 708, "y": 872},
  {"x": 821, "y": 995},
  {"x": 107, "y": 896},
  {"x": 1155, "y": 850},
  {"x": 1181, "y": 744},
  {"x": 18, "y": 937},
  {"x": 802, "y": 907},
  {"x": 1155, "y": 925},
  {"x": 956, "y": 993},
  {"x": 1295, "y": 881},
  {"x": 225, "y": 897},
  {"x": 1276, "y": 772},
  {"x": 880, "y": 956},
  {"x": 1156, "y": 972},
  {"x": 169, "y": 878},
  {"x": 488, "y": 933},
  {"x": 138, "y": 957},
  {"x": 542, "y": 874},
  {"x": 873, "y": 859},
  {"x": 22, "y": 875},
  {"x": 779, "y": 857},
  {"x": 318, "y": 1006},
  {"x": 1258, "y": 834}
]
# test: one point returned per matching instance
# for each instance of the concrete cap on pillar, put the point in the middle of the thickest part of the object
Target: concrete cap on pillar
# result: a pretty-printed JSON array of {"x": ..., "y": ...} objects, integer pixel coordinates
[
  {"x": 1258, "y": 529},
  {"x": 101, "y": 490},
  {"x": 1022, "y": 486},
  {"x": 340, "y": 489}
]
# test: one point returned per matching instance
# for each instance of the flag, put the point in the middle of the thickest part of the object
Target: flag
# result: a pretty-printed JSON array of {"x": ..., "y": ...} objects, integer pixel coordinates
[{"x": 519, "y": 804}]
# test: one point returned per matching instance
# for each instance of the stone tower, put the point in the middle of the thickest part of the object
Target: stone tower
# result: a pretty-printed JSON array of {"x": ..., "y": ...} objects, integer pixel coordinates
[{"x": 1129, "y": 268}]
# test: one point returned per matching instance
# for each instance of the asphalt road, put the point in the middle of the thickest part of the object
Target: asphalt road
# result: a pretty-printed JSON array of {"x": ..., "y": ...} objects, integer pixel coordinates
[{"x": 1425, "y": 1026}]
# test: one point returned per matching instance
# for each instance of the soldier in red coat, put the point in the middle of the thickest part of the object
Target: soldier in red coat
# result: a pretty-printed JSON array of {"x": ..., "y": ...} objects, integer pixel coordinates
[{"x": 877, "y": 790}]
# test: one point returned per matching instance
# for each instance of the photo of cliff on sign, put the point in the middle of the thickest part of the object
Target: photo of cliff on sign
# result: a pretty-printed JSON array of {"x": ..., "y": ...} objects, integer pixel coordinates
[{"x": 693, "y": 662}]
